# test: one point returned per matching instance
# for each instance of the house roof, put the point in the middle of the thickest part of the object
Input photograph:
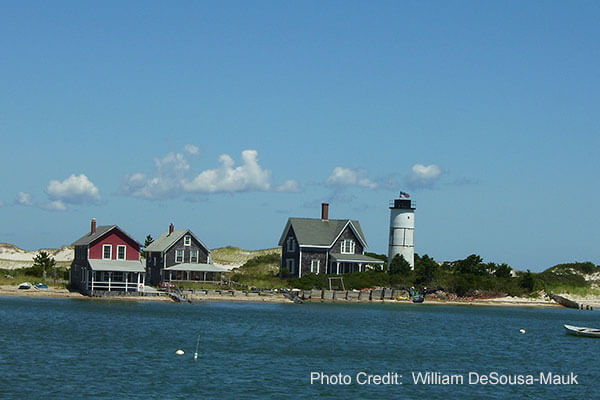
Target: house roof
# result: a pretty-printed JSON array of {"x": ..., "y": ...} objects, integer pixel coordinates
[
  {"x": 357, "y": 258},
  {"x": 100, "y": 231},
  {"x": 166, "y": 240},
  {"x": 199, "y": 267},
  {"x": 319, "y": 232},
  {"x": 90, "y": 237},
  {"x": 117, "y": 265}
]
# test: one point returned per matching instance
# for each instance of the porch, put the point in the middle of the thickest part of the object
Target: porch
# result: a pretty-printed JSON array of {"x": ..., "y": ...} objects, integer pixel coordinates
[
  {"x": 111, "y": 275},
  {"x": 193, "y": 272},
  {"x": 347, "y": 263}
]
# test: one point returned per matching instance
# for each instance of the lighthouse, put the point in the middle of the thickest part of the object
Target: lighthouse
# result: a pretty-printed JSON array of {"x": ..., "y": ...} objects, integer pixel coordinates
[{"x": 402, "y": 229}]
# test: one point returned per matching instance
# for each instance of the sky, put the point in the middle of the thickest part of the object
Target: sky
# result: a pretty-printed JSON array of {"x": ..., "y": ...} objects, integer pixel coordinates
[{"x": 229, "y": 117}]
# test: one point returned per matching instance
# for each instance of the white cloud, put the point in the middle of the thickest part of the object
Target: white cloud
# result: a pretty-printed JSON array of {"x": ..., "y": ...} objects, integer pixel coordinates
[
  {"x": 191, "y": 149},
  {"x": 172, "y": 161},
  {"x": 173, "y": 178},
  {"x": 170, "y": 172},
  {"x": 56, "y": 205},
  {"x": 228, "y": 178},
  {"x": 424, "y": 176},
  {"x": 24, "y": 199},
  {"x": 288, "y": 186},
  {"x": 76, "y": 189},
  {"x": 342, "y": 177}
]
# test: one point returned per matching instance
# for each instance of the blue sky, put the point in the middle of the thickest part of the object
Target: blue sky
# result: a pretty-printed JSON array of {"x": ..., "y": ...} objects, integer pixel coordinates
[{"x": 230, "y": 117}]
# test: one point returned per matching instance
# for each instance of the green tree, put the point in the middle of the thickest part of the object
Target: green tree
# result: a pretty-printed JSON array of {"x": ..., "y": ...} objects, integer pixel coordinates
[
  {"x": 399, "y": 266},
  {"x": 149, "y": 239},
  {"x": 503, "y": 271},
  {"x": 471, "y": 265},
  {"x": 527, "y": 281},
  {"x": 425, "y": 269},
  {"x": 45, "y": 262}
]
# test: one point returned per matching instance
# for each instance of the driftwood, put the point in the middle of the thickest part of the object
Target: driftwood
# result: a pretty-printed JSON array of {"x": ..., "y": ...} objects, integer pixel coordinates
[
  {"x": 563, "y": 301},
  {"x": 293, "y": 296}
]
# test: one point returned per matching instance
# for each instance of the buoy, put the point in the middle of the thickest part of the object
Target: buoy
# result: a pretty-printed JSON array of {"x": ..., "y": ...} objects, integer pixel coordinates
[
  {"x": 522, "y": 331},
  {"x": 196, "y": 352},
  {"x": 180, "y": 352}
]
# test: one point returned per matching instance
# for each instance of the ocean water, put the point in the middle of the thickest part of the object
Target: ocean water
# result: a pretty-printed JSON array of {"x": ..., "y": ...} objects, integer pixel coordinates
[{"x": 85, "y": 349}]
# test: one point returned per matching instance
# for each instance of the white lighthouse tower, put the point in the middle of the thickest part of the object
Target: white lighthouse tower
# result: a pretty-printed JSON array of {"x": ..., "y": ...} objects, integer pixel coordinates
[{"x": 402, "y": 229}]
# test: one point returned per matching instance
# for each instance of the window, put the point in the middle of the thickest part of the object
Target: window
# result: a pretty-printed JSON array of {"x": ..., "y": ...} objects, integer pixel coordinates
[
  {"x": 193, "y": 256},
  {"x": 187, "y": 240},
  {"x": 314, "y": 265},
  {"x": 347, "y": 246},
  {"x": 289, "y": 264},
  {"x": 107, "y": 251},
  {"x": 291, "y": 245},
  {"x": 121, "y": 252},
  {"x": 179, "y": 255}
]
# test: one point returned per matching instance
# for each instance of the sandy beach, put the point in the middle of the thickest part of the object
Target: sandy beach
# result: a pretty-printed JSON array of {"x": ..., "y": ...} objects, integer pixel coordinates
[{"x": 507, "y": 301}]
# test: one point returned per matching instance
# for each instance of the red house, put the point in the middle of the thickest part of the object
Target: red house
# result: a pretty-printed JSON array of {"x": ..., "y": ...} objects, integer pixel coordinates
[{"x": 107, "y": 259}]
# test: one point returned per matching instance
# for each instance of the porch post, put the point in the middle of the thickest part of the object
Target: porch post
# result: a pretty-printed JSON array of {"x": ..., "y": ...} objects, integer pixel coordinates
[
  {"x": 359, "y": 267},
  {"x": 338, "y": 268},
  {"x": 188, "y": 275},
  {"x": 109, "y": 279},
  {"x": 204, "y": 276},
  {"x": 126, "y": 281},
  {"x": 93, "y": 276}
]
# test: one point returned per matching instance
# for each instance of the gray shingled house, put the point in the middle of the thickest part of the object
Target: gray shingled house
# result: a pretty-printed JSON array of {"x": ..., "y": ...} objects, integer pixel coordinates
[
  {"x": 323, "y": 246},
  {"x": 178, "y": 255}
]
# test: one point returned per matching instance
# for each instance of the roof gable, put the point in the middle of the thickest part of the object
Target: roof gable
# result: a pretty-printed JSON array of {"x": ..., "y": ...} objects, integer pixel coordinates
[
  {"x": 167, "y": 240},
  {"x": 101, "y": 231},
  {"x": 320, "y": 233}
]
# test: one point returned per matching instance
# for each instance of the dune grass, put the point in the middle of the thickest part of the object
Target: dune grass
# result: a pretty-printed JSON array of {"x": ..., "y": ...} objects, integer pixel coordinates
[{"x": 237, "y": 256}]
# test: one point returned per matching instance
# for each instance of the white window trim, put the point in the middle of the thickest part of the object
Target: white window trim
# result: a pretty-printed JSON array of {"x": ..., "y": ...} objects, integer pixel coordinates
[
  {"x": 103, "y": 252},
  {"x": 291, "y": 245},
  {"x": 124, "y": 252},
  {"x": 187, "y": 240},
  {"x": 348, "y": 243},
  {"x": 197, "y": 253},
  {"x": 315, "y": 265},
  {"x": 182, "y": 255},
  {"x": 289, "y": 264}
]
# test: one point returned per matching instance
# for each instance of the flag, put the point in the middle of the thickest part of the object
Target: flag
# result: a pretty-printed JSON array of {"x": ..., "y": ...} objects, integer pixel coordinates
[{"x": 404, "y": 195}]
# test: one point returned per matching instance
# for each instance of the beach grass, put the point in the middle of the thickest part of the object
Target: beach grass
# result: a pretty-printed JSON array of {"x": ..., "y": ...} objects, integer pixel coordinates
[
  {"x": 235, "y": 255},
  {"x": 16, "y": 277}
]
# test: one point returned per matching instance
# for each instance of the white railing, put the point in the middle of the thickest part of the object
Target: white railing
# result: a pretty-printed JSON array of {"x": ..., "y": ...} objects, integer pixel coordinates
[{"x": 112, "y": 285}]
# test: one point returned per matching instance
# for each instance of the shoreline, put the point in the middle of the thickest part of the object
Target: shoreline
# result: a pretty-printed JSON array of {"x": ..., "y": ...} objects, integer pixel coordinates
[{"x": 11, "y": 291}]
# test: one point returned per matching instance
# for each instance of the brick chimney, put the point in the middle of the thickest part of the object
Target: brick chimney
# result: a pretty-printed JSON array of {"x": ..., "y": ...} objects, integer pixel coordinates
[
  {"x": 93, "y": 227},
  {"x": 325, "y": 211},
  {"x": 171, "y": 228}
]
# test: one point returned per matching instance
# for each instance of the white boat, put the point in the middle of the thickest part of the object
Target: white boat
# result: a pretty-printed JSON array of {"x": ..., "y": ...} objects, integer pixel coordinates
[
  {"x": 25, "y": 285},
  {"x": 582, "y": 331}
]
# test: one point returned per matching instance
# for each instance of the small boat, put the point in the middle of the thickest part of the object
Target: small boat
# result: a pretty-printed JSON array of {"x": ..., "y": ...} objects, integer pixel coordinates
[
  {"x": 416, "y": 295},
  {"x": 41, "y": 286},
  {"x": 582, "y": 331},
  {"x": 25, "y": 286}
]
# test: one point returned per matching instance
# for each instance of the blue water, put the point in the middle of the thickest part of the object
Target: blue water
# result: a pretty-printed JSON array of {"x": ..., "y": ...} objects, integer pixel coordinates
[{"x": 76, "y": 349}]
